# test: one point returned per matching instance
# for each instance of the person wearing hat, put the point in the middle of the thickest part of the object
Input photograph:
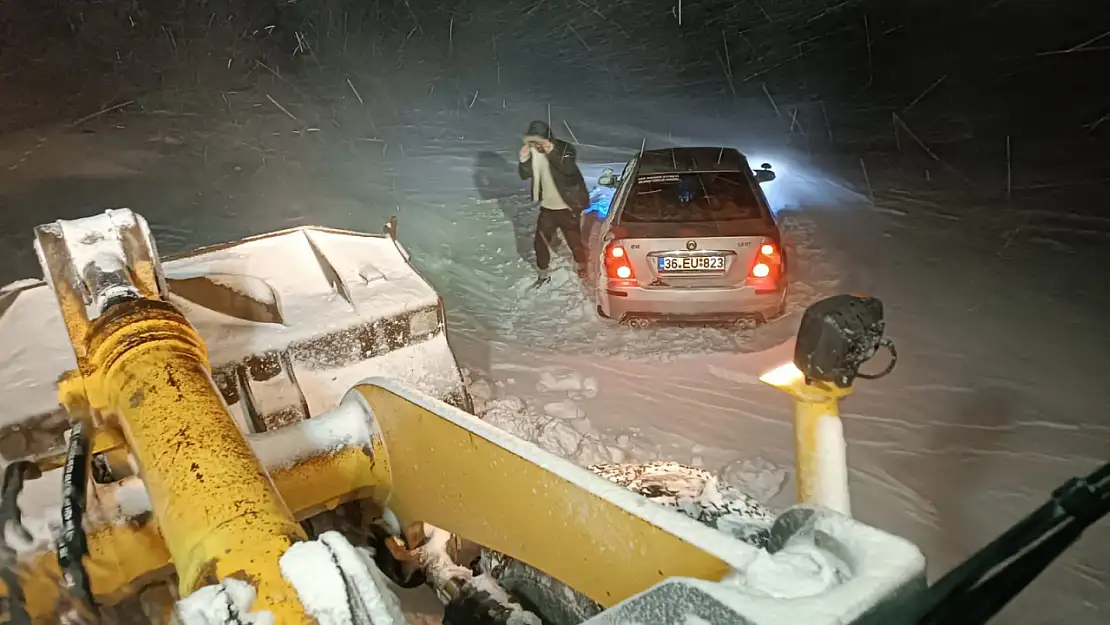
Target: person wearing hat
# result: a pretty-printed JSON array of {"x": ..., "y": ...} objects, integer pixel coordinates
[{"x": 558, "y": 186}]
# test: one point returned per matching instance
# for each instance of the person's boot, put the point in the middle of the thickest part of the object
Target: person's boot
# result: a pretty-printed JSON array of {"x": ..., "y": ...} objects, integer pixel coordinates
[{"x": 543, "y": 278}]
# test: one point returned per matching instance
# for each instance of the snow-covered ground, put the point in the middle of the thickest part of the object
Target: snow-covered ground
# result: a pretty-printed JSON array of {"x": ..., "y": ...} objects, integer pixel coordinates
[{"x": 995, "y": 306}]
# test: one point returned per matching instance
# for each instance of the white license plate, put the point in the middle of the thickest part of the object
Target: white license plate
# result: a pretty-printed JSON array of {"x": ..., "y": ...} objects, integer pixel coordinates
[{"x": 691, "y": 263}]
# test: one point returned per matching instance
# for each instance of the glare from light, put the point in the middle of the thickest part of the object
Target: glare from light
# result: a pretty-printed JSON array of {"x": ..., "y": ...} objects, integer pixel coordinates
[
  {"x": 624, "y": 272},
  {"x": 761, "y": 270},
  {"x": 767, "y": 249},
  {"x": 617, "y": 251},
  {"x": 783, "y": 375},
  {"x": 799, "y": 185}
]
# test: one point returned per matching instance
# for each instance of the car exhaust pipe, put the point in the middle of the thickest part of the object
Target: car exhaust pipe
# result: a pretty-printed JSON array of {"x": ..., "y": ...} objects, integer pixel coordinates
[
  {"x": 638, "y": 322},
  {"x": 749, "y": 323}
]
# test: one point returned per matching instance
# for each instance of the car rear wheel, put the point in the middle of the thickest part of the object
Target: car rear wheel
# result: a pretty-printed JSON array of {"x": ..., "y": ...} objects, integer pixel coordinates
[{"x": 780, "y": 311}]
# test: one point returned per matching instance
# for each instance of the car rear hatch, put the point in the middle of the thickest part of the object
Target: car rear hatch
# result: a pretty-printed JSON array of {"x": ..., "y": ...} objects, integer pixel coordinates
[
  {"x": 694, "y": 230},
  {"x": 694, "y": 255}
]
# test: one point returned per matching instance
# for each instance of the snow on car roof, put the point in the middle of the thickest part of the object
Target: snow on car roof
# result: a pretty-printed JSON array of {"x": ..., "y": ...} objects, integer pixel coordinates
[{"x": 670, "y": 160}]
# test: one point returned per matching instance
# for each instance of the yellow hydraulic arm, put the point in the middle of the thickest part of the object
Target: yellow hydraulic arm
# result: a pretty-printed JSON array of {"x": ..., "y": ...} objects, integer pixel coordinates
[{"x": 143, "y": 370}]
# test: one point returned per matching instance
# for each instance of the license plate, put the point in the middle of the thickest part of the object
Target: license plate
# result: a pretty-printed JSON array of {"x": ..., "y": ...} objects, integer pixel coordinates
[{"x": 691, "y": 263}]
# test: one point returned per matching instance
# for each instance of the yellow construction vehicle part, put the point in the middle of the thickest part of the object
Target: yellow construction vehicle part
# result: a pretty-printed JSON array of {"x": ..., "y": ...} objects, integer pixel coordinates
[
  {"x": 430, "y": 462},
  {"x": 820, "y": 448},
  {"x": 143, "y": 272},
  {"x": 217, "y": 509},
  {"x": 145, "y": 382},
  {"x": 124, "y": 556},
  {"x": 446, "y": 473},
  {"x": 145, "y": 370}
]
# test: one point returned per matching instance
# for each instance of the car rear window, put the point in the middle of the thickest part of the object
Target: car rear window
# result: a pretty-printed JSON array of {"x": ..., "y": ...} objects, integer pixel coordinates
[{"x": 691, "y": 197}]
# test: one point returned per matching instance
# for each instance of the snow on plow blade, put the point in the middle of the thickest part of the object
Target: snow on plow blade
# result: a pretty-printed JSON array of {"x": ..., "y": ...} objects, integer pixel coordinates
[{"x": 291, "y": 319}]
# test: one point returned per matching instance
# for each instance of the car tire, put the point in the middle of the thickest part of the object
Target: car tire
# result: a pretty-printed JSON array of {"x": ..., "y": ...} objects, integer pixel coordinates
[{"x": 781, "y": 310}]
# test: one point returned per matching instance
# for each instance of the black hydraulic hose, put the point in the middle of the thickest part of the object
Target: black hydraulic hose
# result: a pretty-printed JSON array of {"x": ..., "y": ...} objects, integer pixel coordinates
[
  {"x": 14, "y": 476},
  {"x": 73, "y": 544},
  {"x": 17, "y": 610},
  {"x": 10, "y": 515}
]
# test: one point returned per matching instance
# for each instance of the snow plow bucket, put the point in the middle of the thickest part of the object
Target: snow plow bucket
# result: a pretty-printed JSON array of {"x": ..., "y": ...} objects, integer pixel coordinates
[
  {"x": 245, "y": 339},
  {"x": 291, "y": 321}
]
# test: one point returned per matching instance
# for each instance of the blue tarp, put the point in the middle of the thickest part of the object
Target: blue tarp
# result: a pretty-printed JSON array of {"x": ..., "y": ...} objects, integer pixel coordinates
[{"x": 600, "y": 198}]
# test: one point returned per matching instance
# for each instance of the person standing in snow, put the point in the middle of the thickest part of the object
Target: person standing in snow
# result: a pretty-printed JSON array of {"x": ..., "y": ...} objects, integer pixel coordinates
[{"x": 558, "y": 186}]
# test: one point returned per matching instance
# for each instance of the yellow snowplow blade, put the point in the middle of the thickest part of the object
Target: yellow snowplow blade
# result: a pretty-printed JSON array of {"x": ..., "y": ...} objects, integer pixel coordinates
[
  {"x": 452, "y": 470},
  {"x": 428, "y": 461}
]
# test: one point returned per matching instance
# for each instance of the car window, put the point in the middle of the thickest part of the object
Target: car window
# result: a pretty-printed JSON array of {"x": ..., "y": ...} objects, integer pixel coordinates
[
  {"x": 692, "y": 197},
  {"x": 621, "y": 191}
]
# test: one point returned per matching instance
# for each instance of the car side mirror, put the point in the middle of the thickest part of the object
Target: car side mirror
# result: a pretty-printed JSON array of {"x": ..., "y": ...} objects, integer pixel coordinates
[
  {"x": 764, "y": 173},
  {"x": 607, "y": 179}
]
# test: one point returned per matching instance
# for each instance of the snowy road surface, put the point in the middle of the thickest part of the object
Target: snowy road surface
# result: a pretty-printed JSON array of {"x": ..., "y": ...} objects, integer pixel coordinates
[{"x": 997, "y": 398}]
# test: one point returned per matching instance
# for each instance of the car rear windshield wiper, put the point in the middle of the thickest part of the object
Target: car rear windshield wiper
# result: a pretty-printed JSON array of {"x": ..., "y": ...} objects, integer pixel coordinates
[{"x": 974, "y": 592}]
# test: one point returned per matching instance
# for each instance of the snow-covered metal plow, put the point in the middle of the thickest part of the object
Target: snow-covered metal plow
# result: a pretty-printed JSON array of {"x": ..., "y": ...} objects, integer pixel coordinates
[{"x": 233, "y": 455}]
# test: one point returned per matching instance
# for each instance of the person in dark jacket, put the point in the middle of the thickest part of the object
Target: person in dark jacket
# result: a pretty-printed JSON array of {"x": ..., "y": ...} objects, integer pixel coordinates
[{"x": 558, "y": 186}]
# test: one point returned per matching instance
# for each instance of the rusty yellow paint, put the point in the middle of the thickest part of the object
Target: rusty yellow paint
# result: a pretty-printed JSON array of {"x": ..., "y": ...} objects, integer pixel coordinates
[
  {"x": 812, "y": 402},
  {"x": 443, "y": 474},
  {"x": 123, "y": 557},
  {"x": 218, "y": 510},
  {"x": 71, "y": 394},
  {"x": 105, "y": 439},
  {"x": 323, "y": 482}
]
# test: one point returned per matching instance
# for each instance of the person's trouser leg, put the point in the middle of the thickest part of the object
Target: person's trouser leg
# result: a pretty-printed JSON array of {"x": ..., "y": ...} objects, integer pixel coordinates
[
  {"x": 572, "y": 232},
  {"x": 546, "y": 225}
]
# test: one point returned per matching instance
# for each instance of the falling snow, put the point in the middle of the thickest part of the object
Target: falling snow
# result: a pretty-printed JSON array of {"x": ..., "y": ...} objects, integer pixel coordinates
[{"x": 948, "y": 158}]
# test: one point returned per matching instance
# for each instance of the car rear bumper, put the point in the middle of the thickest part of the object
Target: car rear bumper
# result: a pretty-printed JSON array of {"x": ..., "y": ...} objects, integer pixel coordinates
[{"x": 691, "y": 305}]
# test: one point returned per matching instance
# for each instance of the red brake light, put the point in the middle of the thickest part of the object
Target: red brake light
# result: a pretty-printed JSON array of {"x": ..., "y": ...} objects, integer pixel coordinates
[
  {"x": 617, "y": 266},
  {"x": 766, "y": 271}
]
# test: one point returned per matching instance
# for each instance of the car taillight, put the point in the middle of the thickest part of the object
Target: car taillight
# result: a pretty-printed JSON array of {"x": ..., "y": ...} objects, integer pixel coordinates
[
  {"x": 617, "y": 266},
  {"x": 766, "y": 271}
]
